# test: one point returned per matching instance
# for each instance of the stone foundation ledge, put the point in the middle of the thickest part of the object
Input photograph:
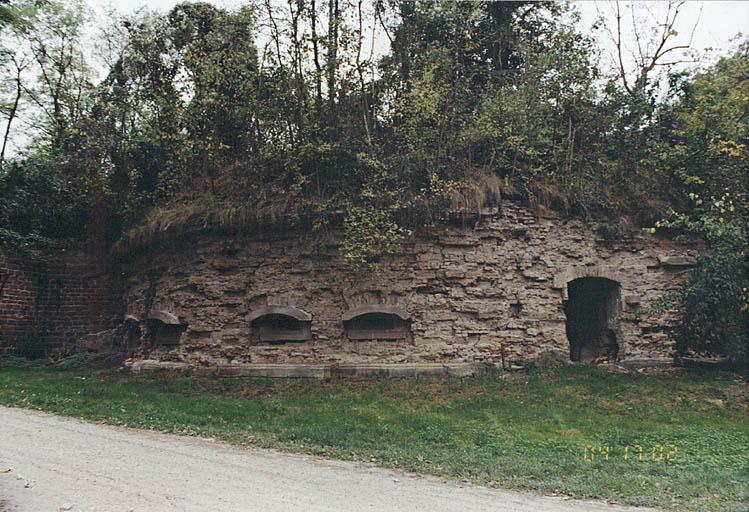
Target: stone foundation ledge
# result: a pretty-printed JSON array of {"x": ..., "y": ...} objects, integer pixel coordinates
[
  {"x": 318, "y": 371},
  {"x": 150, "y": 365},
  {"x": 647, "y": 362}
]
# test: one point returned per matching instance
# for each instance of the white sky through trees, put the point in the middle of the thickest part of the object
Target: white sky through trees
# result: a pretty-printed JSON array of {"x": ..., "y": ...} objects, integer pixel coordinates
[
  {"x": 719, "y": 21},
  {"x": 717, "y": 26}
]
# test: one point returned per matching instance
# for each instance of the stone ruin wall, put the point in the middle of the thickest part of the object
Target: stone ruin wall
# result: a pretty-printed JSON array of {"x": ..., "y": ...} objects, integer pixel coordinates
[{"x": 458, "y": 285}]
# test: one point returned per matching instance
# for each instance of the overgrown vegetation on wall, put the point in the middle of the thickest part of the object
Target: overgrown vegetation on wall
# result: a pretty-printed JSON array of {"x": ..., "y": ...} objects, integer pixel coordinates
[{"x": 293, "y": 110}]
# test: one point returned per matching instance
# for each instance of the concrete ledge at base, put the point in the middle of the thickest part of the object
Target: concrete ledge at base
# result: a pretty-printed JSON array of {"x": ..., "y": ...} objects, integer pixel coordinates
[
  {"x": 353, "y": 370},
  {"x": 309, "y": 371},
  {"x": 653, "y": 362},
  {"x": 711, "y": 363},
  {"x": 408, "y": 370},
  {"x": 149, "y": 365},
  {"x": 313, "y": 371}
]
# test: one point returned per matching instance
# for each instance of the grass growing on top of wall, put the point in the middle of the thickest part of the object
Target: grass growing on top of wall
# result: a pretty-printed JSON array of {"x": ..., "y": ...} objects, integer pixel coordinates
[{"x": 526, "y": 431}]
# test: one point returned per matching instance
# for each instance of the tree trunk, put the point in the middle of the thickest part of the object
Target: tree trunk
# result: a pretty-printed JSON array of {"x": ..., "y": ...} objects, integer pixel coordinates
[
  {"x": 360, "y": 71},
  {"x": 333, "y": 19},
  {"x": 316, "y": 53},
  {"x": 11, "y": 117},
  {"x": 301, "y": 96}
]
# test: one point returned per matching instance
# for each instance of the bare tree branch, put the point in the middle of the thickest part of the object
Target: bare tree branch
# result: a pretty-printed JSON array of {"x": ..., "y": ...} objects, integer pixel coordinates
[{"x": 618, "y": 42}]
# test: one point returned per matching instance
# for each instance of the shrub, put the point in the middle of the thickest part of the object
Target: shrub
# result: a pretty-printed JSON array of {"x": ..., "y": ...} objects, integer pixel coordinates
[
  {"x": 714, "y": 305},
  {"x": 713, "y": 302}
]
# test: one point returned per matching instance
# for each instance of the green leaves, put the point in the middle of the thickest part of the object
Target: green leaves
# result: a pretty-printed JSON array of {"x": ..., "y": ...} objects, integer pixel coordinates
[
  {"x": 710, "y": 164},
  {"x": 470, "y": 94},
  {"x": 370, "y": 234}
]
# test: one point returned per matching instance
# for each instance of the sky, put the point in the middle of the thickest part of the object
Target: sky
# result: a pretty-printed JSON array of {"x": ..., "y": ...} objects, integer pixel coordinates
[{"x": 718, "y": 22}]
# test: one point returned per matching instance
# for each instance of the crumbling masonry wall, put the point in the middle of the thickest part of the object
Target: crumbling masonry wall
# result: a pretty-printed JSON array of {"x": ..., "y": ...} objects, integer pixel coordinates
[
  {"x": 491, "y": 289},
  {"x": 46, "y": 306}
]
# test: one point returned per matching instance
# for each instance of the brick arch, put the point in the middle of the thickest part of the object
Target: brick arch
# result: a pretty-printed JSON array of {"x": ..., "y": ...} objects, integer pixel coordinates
[
  {"x": 605, "y": 271},
  {"x": 289, "y": 311},
  {"x": 384, "y": 309}
]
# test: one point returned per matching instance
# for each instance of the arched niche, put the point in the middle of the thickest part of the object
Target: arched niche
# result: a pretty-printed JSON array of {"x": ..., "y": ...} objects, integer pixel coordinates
[
  {"x": 376, "y": 322},
  {"x": 280, "y": 324},
  {"x": 164, "y": 328},
  {"x": 592, "y": 316}
]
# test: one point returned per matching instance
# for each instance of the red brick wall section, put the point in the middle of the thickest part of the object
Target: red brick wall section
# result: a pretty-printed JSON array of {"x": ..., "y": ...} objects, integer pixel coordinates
[{"x": 46, "y": 306}]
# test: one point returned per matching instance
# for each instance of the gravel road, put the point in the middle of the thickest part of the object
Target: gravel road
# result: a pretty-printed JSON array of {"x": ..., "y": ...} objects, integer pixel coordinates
[{"x": 49, "y": 463}]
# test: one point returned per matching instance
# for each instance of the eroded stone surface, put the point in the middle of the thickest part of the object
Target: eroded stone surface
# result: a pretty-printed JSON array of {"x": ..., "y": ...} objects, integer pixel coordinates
[{"x": 487, "y": 292}]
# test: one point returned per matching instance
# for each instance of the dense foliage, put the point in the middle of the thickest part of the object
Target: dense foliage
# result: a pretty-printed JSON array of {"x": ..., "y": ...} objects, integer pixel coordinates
[
  {"x": 292, "y": 109},
  {"x": 708, "y": 154}
]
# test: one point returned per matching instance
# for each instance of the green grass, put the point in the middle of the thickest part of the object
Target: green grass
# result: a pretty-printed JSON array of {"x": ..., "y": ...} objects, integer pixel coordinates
[{"x": 523, "y": 431}]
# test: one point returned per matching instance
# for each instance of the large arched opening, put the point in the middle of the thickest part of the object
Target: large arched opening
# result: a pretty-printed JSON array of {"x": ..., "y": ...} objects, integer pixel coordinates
[{"x": 592, "y": 312}]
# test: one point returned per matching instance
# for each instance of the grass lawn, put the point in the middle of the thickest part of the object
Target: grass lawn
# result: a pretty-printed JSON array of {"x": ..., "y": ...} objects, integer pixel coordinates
[{"x": 673, "y": 442}]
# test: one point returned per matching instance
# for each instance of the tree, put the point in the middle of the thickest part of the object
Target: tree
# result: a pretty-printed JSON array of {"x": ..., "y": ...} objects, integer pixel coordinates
[
  {"x": 13, "y": 63},
  {"x": 219, "y": 57},
  {"x": 7, "y": 14},
  {"x": 53, "y": 35},
  {"x": 13, "y": 66},
  {"x": 707, "y": 155},
  {"x": 44, "y": 198}
]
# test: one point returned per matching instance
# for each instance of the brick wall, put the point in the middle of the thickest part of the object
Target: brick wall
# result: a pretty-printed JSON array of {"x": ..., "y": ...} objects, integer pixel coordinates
[{"x": 46, "y": 306}]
